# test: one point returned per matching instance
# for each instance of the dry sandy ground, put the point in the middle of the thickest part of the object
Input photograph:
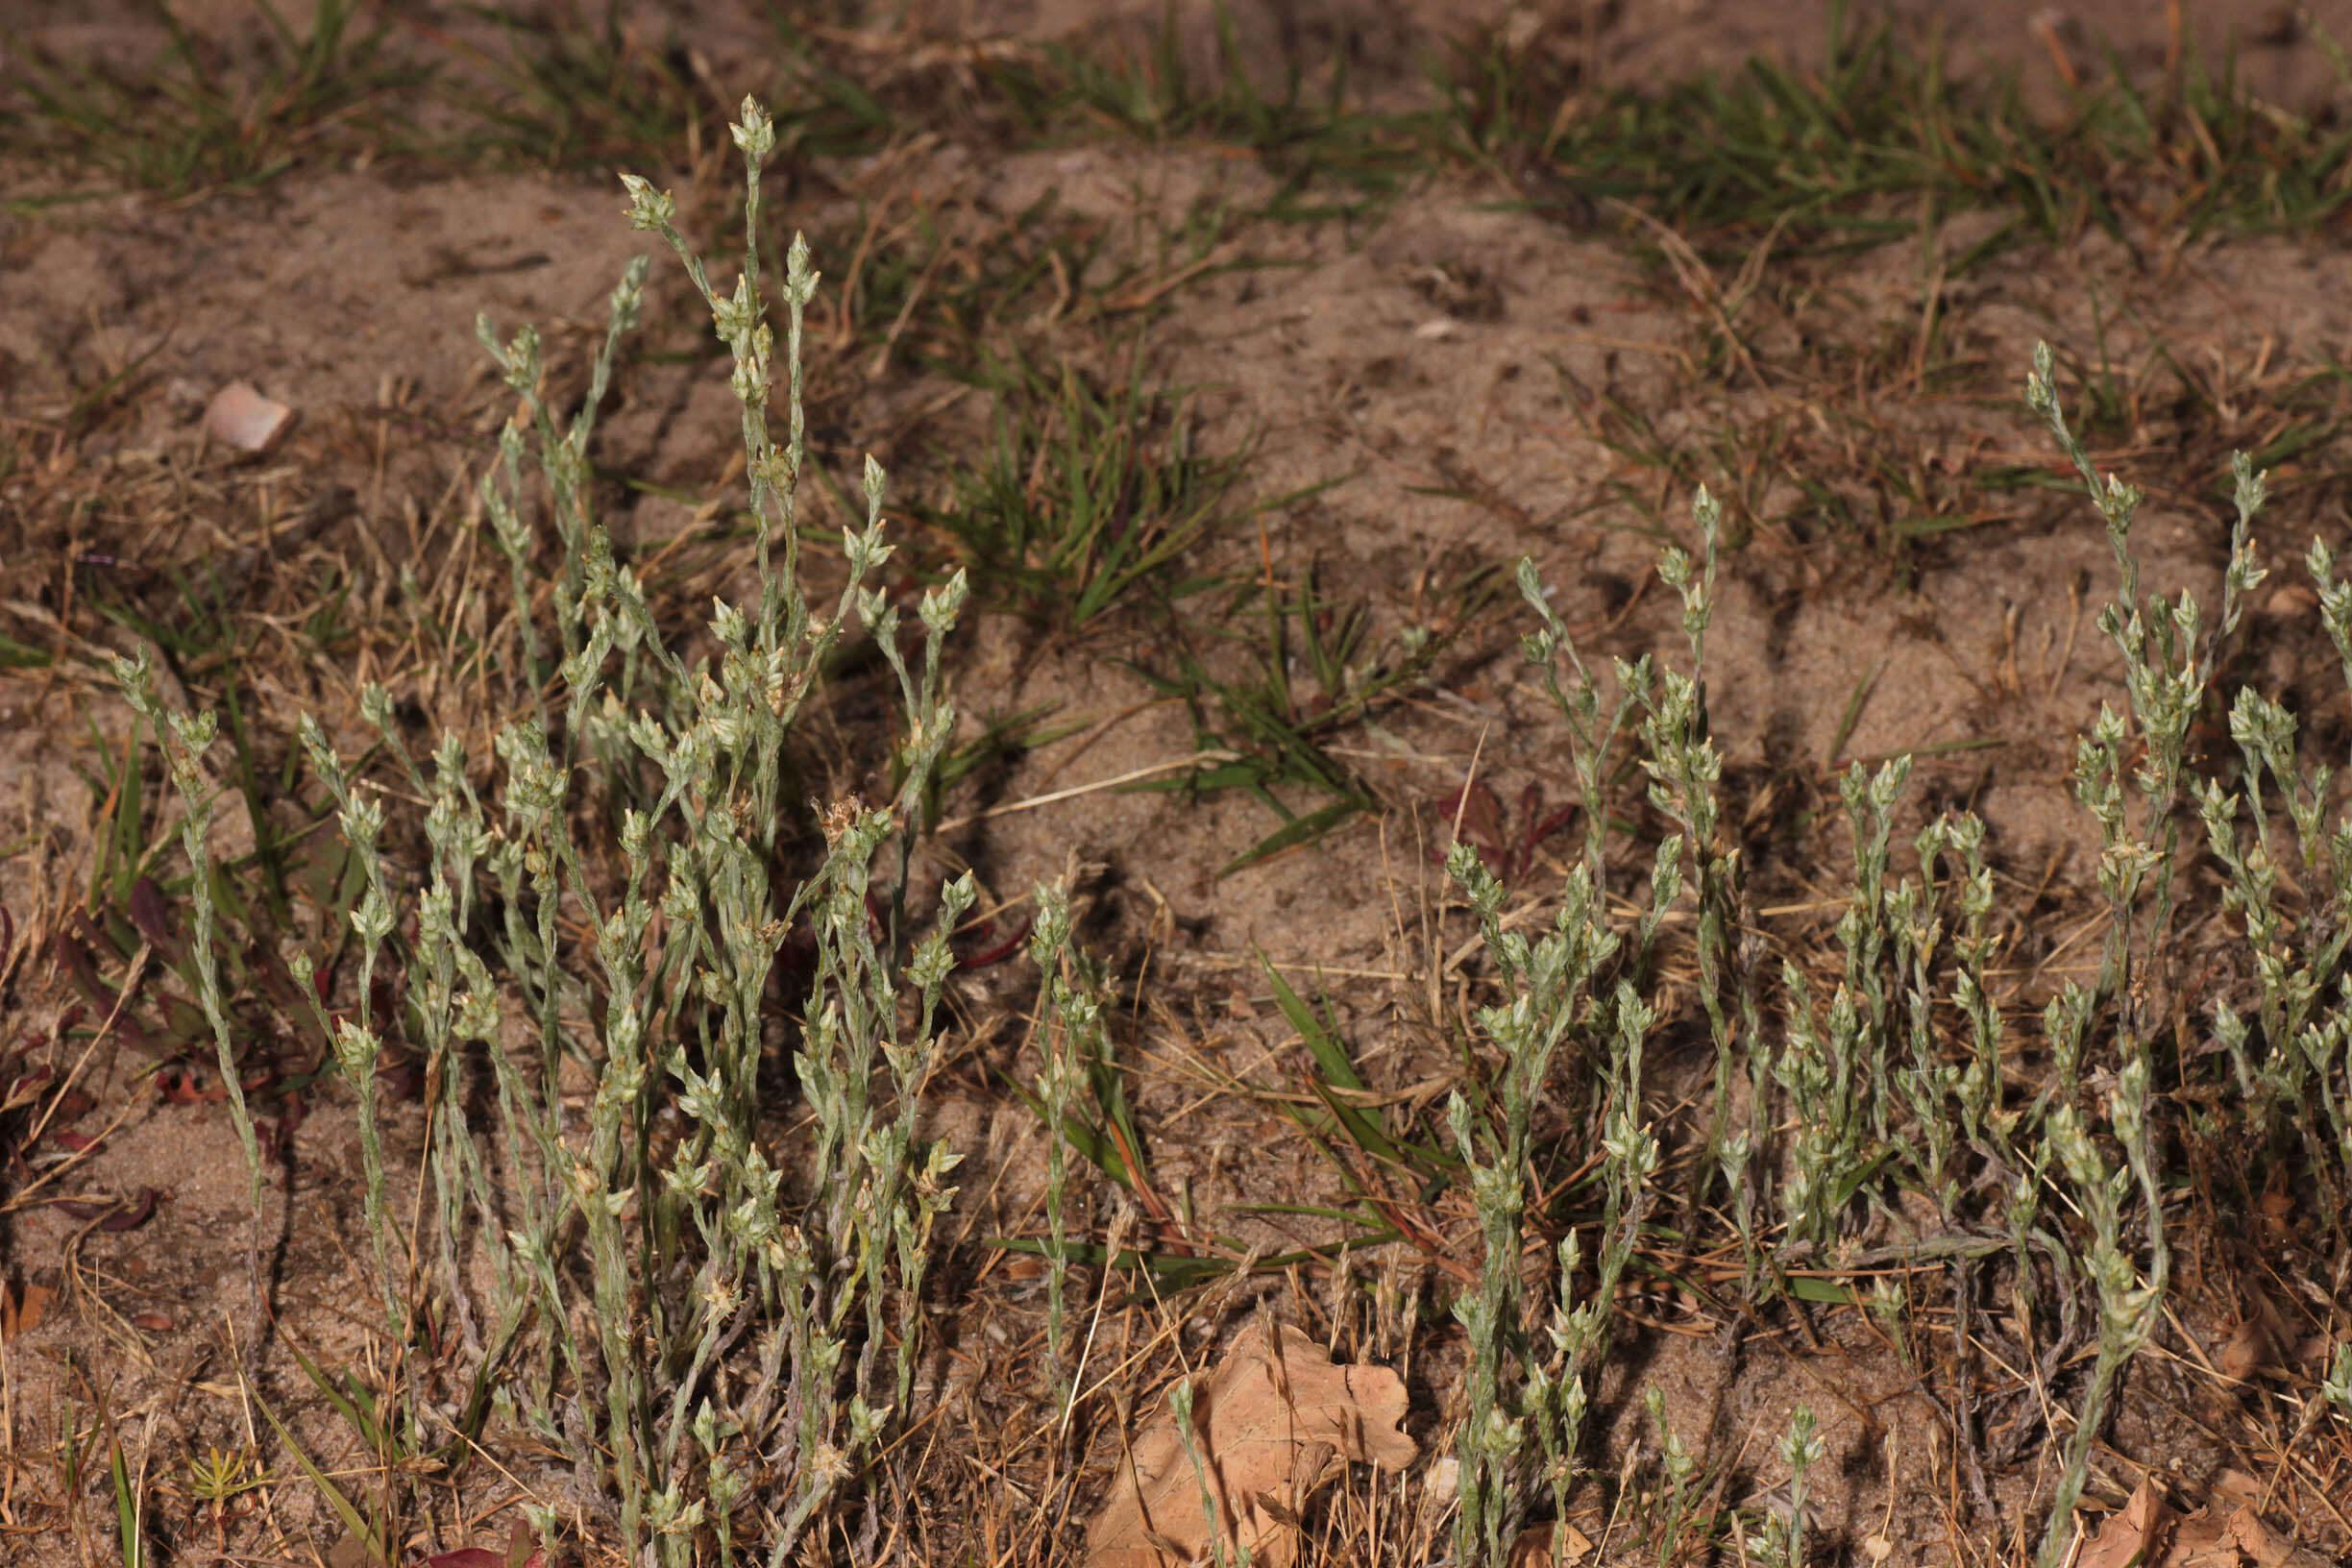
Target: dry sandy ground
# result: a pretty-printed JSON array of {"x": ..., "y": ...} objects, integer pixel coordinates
[{"x": 1459, "y": 345}]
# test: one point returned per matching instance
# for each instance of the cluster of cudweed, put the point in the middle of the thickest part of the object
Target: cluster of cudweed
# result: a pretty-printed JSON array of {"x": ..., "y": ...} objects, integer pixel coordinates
[
  {"x": 680, "y": 1323},
  {"x": 1877, "y": 1098},
  {"x": 680, "y": 1316}
]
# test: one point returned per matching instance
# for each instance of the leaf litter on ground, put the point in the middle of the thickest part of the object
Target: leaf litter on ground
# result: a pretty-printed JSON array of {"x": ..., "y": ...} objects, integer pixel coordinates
[
  {"x": 2147, "y": 1532},
  {"x": 1273, "y": 1423}
]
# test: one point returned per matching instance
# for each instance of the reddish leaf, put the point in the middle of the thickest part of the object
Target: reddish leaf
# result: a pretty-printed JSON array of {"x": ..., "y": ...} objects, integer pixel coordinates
[
  {"x": 997, "y": 952},
  {"x": 99, "y": 939},
  {"x": 1474, "y": 815},
  {"x": 152, "y": 916},
  {"x": 19, "y": 1088},
  {"x": 477, "y": 1556},
  {"x": 75, "y": 960},
  {"x": 118, "y": 1215},
  {"x": 178, "y": 1084}
]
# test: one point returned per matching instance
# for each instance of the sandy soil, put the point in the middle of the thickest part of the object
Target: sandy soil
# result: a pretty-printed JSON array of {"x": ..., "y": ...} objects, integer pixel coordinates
[{"x": 1446, "y": 362}]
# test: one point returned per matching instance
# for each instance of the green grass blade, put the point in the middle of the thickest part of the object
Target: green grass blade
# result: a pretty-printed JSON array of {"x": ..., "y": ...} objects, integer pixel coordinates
[
  {"x": 126, "y": 1510},
  {"x": 361, "y": 1532}
]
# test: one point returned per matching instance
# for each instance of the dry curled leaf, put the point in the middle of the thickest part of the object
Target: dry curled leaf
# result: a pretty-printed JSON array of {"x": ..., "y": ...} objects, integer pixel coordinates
[
  {"x": 2243, "y": 1354},
  {"x": 2148, "y": 1535},
  {"x": 22, "y": 1306},
  {"x": 2239, "y": 1540},
  {"x": 1541, "y": 1545},
  {"x": 1267, "y": 1428},
  {"x": 2131, "y": 1538}
]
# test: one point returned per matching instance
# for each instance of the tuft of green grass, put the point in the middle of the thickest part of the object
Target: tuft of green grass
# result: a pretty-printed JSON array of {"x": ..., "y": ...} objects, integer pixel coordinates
[
  {"x": 1846, "y": 158},
  {"x": 130, "y": 1504},
  {"x": 1331, "y": 160},
  {"x": 197, "y": 123},
  {"x": 580, "y": 93},
  {"x": 1273, "y": 673},
  {"x": 587, "y": 92},
  {"x": 1087, "y": 498},
  {"x": 365, "y": 1531}
]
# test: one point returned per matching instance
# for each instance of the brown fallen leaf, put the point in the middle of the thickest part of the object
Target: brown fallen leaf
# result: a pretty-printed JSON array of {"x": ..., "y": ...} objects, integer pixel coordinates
[
  {"x": 22, "y": 1306},
  {"x": 2243, "y": 1354},
  {"x": 2266, "y": 1549},
  {"x": 1534, "y": 1546},
  {"x": 2204, "y": 1540},
  {"x": 2132, "y": 1538},
  {"x": 1267, "y": 1427},
  {"x": 2209, "y": 1538}
]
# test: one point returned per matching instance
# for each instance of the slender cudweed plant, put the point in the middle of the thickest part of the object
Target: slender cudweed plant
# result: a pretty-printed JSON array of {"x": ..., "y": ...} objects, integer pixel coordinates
[
  {"x": 1583, "y": 978},
  {"x": 1868, "y": 1074},
  {"x": 2167, "y": 663},
  {"x": 1548, "y": 982},
  {"x": 2128, "y": 1311},
  {"x": 1679, "y": 1466},
  {"x": 1686, "y": 773},
  {"x": 1065, "y": 1017},
  {"x": 1592, "y": 740},
  {"x": 2303, "y": 1034},
  {"x": 1784, "y": 1533},
  {"x": 705, "y": 1256},
  {"x": 1180, "y": 1403},
  {"x": 184, "y": 739}
]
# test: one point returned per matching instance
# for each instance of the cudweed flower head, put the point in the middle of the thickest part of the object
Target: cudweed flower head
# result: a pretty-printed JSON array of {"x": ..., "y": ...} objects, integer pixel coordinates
[
  {"x": 648, "y": 208},
  {"x": 941, "y": 605},
  {"x": 376, "y": 705},
  {"x": 777, "y": 470},
  {"x": 357, "y": 1049},
  {"x": 373, "y": 917},
  {"x": 730, "y": 627},
  {"x": 749, "y": 379},
  {"x": 799, "y": 278},
  {"x": 136, "y": 678},
  {"x": 518, "y": 360},
  {"x": 754, "y": 134},
  {"x": 195, "y": 733},
  {"x": 362, "y": 822},
  {"x": 669, "y": 1514},
  {"x": 2040, "y": 395},
  {"x": 1886, "y": 1302},
  {"x": 1477, "y": 884},
  {"x": 628, "y": 300},
  {"x": 478, "y": 1015}
]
